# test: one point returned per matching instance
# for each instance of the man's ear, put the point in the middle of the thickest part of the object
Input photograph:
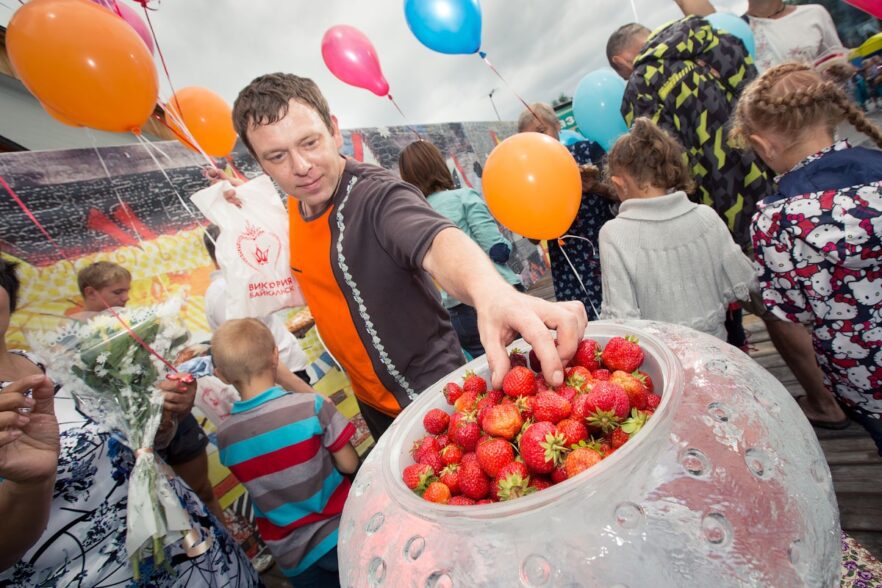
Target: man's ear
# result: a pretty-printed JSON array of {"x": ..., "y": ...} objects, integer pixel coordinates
[{"x": 338, "y": 136}]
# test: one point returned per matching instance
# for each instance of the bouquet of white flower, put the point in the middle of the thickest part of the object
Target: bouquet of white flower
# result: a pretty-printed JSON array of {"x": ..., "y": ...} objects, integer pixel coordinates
[{"x": 113, "y": 377}]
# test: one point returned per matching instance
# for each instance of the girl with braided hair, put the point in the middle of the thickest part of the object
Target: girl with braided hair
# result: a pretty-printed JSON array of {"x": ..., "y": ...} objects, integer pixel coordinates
[{"x": 819, "y": 239}]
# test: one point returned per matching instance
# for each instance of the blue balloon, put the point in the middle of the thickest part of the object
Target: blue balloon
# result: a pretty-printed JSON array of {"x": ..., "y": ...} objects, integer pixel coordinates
[
  {"x": 597, "y": 107},
  {"x": 568, "y": 137},
  {"x": 734, "y": 26},
  {"x": 445, "y": 26}
]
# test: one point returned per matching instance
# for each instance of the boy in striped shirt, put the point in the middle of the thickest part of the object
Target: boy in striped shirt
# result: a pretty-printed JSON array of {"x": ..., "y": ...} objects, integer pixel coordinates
[{"x": 289, "y": 450}]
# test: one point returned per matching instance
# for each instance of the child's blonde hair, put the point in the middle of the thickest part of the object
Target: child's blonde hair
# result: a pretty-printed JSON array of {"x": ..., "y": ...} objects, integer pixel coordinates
[
  {"x": 101, "y": 274},
  {"x": 242, "y": 349},
  {"x": 651, "y": 157},
  {"x": 790, "y": 98}
]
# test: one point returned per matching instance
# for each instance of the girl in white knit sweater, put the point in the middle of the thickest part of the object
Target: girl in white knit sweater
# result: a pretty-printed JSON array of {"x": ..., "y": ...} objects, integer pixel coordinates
[{"x": 665, "y": 258}]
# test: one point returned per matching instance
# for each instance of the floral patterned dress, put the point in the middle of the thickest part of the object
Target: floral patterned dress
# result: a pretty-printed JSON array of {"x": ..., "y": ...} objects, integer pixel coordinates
[
  {"x": 84, "y": 544},
  {"x": 582, "y": 248},
  {"x": 821, "y": 260}
]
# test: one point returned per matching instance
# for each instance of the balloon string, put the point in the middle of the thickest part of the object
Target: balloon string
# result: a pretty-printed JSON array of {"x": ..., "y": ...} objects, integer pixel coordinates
[
  {"x": 232, "y": 165},
  {"x": 483, "y": 56},
  {"x": 560, "y": 244},
  {"x": 401, "y": 112},
  {"x": 113, "y": 187},
  {"x": 63, "y": 257},
  {"x": 634, "y": 8},
  {"x": 161, "y": 56},
  {"x": 177, "y": 119},
  {"x": 147, "y": 147}
]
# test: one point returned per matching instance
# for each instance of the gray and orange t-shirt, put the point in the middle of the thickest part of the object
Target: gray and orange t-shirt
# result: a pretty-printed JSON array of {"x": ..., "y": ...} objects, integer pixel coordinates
[{"x": 359, "y": 265}]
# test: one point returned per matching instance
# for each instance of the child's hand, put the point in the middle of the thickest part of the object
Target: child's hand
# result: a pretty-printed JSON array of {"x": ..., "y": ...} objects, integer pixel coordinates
[{"x": 590, "y": 177}]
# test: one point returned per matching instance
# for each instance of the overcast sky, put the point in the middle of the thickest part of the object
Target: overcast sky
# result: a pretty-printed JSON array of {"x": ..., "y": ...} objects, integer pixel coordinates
[{"x": 542, "y": 48}]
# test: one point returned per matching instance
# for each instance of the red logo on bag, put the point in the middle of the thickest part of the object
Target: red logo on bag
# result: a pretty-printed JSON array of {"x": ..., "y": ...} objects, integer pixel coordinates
[{"x": 258, "y": 248}]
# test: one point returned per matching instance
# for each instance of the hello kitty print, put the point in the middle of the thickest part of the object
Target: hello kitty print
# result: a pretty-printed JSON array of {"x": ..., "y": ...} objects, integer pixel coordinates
[{"x": 820, "y": 258}]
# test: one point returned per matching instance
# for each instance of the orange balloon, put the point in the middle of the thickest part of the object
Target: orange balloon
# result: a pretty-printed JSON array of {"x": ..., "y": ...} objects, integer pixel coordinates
[
  {"x": 208, "y": 118},
  {"x": 84, "y": 63},
  {"x": 59, "y": 117},
  {"x": 532, "y": 185}
]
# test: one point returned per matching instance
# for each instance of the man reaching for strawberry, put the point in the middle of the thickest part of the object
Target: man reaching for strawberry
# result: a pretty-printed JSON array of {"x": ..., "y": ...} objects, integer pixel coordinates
[{"x": 364, "y": 249}]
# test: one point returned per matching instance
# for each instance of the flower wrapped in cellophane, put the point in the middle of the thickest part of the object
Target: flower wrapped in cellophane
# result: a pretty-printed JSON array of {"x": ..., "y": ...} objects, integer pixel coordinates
[{"x": 112, "y": 367}]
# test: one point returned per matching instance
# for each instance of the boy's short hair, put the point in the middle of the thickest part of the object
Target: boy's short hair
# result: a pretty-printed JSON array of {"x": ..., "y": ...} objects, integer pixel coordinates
[
  {"x": 209, "y": 239},
  {"x": 101, "y": 274},
  {"x": 9, "y": 282},
  {"x": 242, "y": 349}
]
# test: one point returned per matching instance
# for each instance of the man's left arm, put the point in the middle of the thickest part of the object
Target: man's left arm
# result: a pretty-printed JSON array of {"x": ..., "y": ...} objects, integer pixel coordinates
[{"x": 464, "y": 271}]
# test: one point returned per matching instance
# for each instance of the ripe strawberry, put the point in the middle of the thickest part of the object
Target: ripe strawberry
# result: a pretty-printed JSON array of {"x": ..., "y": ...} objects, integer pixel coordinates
[
  {"x": 551, "y": 407},
  {"x": 540, "y": 483},
  {"x": 493, "y": 455},
  {"x": 559, "y": 474},
  {"x": 487, "y": 401},
  {"x": 533, "y": 362},
  {"x": 460, "y": 500},
  {"x": 573, "y": 431},
  {"x": 541, "y": 384},
  {"x": 436, "y": 421},
  {"x": 512, "y": 482},
  {"x": 645, "y": 380},
  {"x": 443, "y": 440},
  {"x": 483, "y": 501},
  {"x": 519, "y": 381},
  {"x": 611, "y": 397},
  {"x": 472, "y": 382},
  {"x": 587, "y": 354},
  {"x": 472, "y": 481},
  {"x": 517, "y": 357},
  {"x": 632, "y": 387},
  {"x": 581, "y": 459},
  {"x": 622, "y": 353},
  {"x": 601, "y": 375},
  {"x": 567, "y": 392},
  {"x": 525, "y": 405},
  {"x": 541, "y": 447},
  {"x": 418, "y": 476},
  {"x": 437, "y": 492},
  {"x": 452, "y": 392},
  {"x": 432, "y": 458},
  {"x": 451, "y": 454},
  {"x": 466, "y": 403},
  {"x": 502, "y": 420},
  {"x": 449, "y": 476},
  {"x": 466, "y": 432},
  {"x": 579, "y": 378},
  {"x": 618, "y": 438},
  {"x": 652, "y": 401},
  {"x": 469, "y": 457},
  {"x": 582, "y": 407},
  {"x": 422, "y": 445}
]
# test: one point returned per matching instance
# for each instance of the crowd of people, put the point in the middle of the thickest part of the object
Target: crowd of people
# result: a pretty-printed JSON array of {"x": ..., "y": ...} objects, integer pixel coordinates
[{"x": 729, "y": 191}]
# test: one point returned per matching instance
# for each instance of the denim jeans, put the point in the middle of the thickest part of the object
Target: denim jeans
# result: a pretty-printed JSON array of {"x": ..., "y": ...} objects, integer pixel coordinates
[
  {"x": 465, "y": 323},
  {"x": 324, "y": 573}
]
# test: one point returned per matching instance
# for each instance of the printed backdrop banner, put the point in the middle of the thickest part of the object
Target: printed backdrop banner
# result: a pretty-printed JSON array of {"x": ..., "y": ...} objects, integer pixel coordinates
[{"x": 137, "y": 214}]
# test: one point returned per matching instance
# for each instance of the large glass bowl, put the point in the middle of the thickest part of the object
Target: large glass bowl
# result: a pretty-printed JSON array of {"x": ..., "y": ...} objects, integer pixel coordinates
[{"x": 725, "y": 486}]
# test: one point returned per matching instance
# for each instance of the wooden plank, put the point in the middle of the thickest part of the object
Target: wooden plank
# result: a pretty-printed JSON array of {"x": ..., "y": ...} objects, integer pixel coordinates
[
  {"x": 860, "y": 512},
  {"x": 856, "y": 479}
]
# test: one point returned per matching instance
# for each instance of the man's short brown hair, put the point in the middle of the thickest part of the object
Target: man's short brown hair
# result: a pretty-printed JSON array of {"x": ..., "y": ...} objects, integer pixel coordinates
[
  {"x": 242, "y": 349},
  {"x": 101, "y": 274},
  {"x": 265, "y": 101}
]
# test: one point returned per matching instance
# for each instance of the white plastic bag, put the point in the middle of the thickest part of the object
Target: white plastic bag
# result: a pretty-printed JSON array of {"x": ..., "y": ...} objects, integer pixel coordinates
[{"x": 252, "y": 249}]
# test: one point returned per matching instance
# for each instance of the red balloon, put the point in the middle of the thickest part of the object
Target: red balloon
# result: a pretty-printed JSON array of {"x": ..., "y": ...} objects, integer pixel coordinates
[{"x": 351, "y": 57}]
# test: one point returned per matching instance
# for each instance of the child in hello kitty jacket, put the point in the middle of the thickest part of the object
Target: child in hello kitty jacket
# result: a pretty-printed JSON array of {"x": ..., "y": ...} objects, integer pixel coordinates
[{"x": 819, "y": 240}]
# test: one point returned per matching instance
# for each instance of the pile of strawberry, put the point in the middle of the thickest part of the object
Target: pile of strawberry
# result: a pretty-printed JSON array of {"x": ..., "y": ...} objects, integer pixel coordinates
[{"x": 502, "y": 444}]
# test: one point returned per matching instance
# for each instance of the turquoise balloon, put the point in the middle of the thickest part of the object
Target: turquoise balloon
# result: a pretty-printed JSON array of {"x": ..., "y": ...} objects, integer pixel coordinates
[
  {"x": 597, "y": 107},
  {"x": 735, "y": 26},
  {"x": 445, "y": 26},
  {"x": 568, "y": 137}
]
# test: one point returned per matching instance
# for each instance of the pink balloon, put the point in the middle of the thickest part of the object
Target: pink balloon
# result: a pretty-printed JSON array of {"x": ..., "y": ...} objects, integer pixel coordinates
[
  {"x": 130, "y": 16},
  {"x": 351, "y": 57},
  {"x": 873, "y": 7}
]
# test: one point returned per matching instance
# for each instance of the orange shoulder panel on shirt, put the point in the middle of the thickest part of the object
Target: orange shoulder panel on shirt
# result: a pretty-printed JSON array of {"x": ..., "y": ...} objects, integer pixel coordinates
[{"x": 311, "y": 251}]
